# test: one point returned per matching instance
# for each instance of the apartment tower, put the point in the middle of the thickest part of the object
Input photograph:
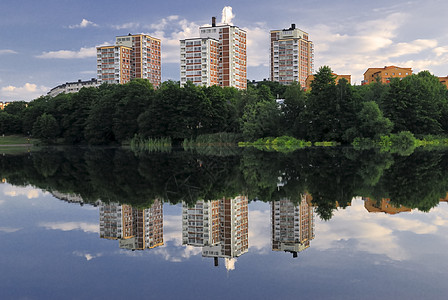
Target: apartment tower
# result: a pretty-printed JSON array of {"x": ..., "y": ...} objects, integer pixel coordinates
[
  {"x": 291, "y": 55},
  {"x": 222, "y": 56},
  {"x": 142, "y": 59}
]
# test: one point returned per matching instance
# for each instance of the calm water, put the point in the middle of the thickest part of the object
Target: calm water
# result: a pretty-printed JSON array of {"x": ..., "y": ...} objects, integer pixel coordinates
[{"x": 326, "y": 224}]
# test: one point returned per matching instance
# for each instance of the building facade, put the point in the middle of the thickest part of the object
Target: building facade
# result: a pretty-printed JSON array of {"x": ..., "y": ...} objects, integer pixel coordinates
[
  {"x": 291, "y": 56},
  {"x": 292, "y": 225},
  {"x": 230, "y": 67},
  {"x": 444, "y": 81},
  {"x": 72, "y": 87},
  {"x": 385, "y": 74},
  {"x": 146, "y": 56},
  {"x": 113, "y": 64},
  {"x": 132, "y": 56},
  {"x": 199, "y": 62}
]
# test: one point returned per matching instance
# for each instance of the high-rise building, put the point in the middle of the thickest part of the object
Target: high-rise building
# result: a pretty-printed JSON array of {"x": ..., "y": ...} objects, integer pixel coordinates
[
  {"x": 292, "y": 225},
  {"x": 146, "y": 56},
  {"x": 113, "y": 64},
  {"x": 292, "y": 56},
  {"x": 199, "y": 61},
  {"x": 222, "y": 53},
  {"x": 132, "y": 56}
]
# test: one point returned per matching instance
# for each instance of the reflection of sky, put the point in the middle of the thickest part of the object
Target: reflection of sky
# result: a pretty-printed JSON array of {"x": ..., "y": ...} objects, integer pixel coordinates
[{"x": 52, "y": 250}]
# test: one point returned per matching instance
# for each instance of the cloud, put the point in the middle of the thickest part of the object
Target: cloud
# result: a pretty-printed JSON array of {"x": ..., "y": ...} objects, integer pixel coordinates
[
  {"x": 258, "y": 45},
  {"x": 86, "y": 255},
  {"x": 26, "y": 92},
  {"x": 9, "y": 229},
  {"x": 130, "y": 25},
  {"x": 84, "y": 23},
  {"x": 7, "y": 51},
  {"x": 69, "y": 54},
  {"x": 227, "y": 15},
  {"x": 14, "y": 191},
  {"x": 69, "y": 226}
]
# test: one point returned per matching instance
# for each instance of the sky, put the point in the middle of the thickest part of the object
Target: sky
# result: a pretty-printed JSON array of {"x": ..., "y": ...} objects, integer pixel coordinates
[{"x": 50, "y": 42}]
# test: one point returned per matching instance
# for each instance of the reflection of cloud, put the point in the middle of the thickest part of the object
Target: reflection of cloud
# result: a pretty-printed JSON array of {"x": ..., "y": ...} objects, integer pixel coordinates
[
  {"x": 9, "y": 229},
  {"x": 230, "y": 263},
  {"x": 69, "y": 226},
  {"x": 15, "y": 191},
  {"x": 87, "y": 256},
  {"x": 370, "y": 232},
  {"x": 259, "y": 230}
]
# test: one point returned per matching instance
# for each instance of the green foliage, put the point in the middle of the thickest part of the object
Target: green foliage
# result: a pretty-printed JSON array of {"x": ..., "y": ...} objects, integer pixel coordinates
[{"x": 46, "y": 128}]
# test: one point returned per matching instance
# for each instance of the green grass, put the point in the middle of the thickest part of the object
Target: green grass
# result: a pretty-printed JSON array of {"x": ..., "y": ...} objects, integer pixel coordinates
[{"x": 15, "y": 140}]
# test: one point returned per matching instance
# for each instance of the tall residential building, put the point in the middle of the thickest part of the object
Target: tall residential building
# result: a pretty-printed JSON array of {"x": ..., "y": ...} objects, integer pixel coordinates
[
  {"x": 136, "y": 229},
  {"x": 141, "y": 58},
  {"x": 385, "y": 74},
  {"x": 292, "y": 56},
  {"x": 113, "y": 64},
  {"x": 222, "y": 53},
  {"x": 220, "y": 227},
  {"x": 146, "y": 56},
  {"x": 199, "y": 61},
  {"x": 292, "y": 225}
]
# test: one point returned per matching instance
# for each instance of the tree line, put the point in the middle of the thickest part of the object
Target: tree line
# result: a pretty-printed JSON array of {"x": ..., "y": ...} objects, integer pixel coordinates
[{"x": 330, "y": 111}]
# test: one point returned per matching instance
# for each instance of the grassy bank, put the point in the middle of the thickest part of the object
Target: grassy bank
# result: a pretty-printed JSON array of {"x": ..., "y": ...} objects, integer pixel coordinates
[{"x": 19, "y": 140}]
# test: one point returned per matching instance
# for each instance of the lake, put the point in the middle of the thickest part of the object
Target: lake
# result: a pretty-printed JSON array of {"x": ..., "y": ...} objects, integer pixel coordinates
[{"x": 95, "y": 223}]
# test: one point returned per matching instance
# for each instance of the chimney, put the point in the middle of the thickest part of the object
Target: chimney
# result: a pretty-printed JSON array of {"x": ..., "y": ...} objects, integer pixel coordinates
[
  {"x": 213, "y": 21},
  {"x": 293, "y": 26}
]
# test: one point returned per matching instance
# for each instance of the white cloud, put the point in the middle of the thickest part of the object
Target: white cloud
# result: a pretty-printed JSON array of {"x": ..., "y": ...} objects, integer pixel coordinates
[
  {"x": 9, "y": 229},
  {"x": 227, "y": 15},
  {"x": 84, "y": 23},
  {"x": 7, "y": 51},
  {"x": 258, "y": 45},
  {"x": 69, "y": 226},
  {"x": 26, "y": 92},
  {"x": 69, "y": 54},
  {"x": 130, "y": 25}
]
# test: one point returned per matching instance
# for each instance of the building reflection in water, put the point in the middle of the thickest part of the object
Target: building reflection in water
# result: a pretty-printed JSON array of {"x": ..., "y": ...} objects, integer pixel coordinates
[
  {"x": 384, "y": 206},
  {"x": 134, "y": 228},
  {"x": 220, "y": 227},
  {"x": 292, "y": 225}
]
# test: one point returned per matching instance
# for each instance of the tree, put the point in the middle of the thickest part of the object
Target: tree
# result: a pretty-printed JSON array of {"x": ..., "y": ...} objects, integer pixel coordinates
[
  {"x": 46, "y": 128},
  {"x": 293, "y": 109},
  {"x": 415, "y": 104}
]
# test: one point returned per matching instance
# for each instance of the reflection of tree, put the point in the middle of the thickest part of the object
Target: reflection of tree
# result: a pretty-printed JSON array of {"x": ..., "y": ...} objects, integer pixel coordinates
[{"x": 331, "y": 176}]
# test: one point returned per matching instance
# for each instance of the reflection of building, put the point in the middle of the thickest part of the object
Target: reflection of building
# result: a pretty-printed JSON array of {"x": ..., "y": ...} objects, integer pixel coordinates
[
  {"x": 291, "y": 56},
  {"x": 292, "y": 225},
  {"x": 219, "y": 226},
  {"x": 383, "y": 206},
  {"x": 385, "y": 74},
  {"x": 136, "y": 229}
]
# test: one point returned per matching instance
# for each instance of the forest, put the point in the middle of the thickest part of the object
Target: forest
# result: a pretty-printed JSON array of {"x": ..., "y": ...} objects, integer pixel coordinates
[{"x": 330, "y": 111}]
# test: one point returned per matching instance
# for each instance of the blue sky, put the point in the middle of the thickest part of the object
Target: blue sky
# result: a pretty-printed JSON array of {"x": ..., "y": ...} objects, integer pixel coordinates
[{"x": 47, "y": 43}]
